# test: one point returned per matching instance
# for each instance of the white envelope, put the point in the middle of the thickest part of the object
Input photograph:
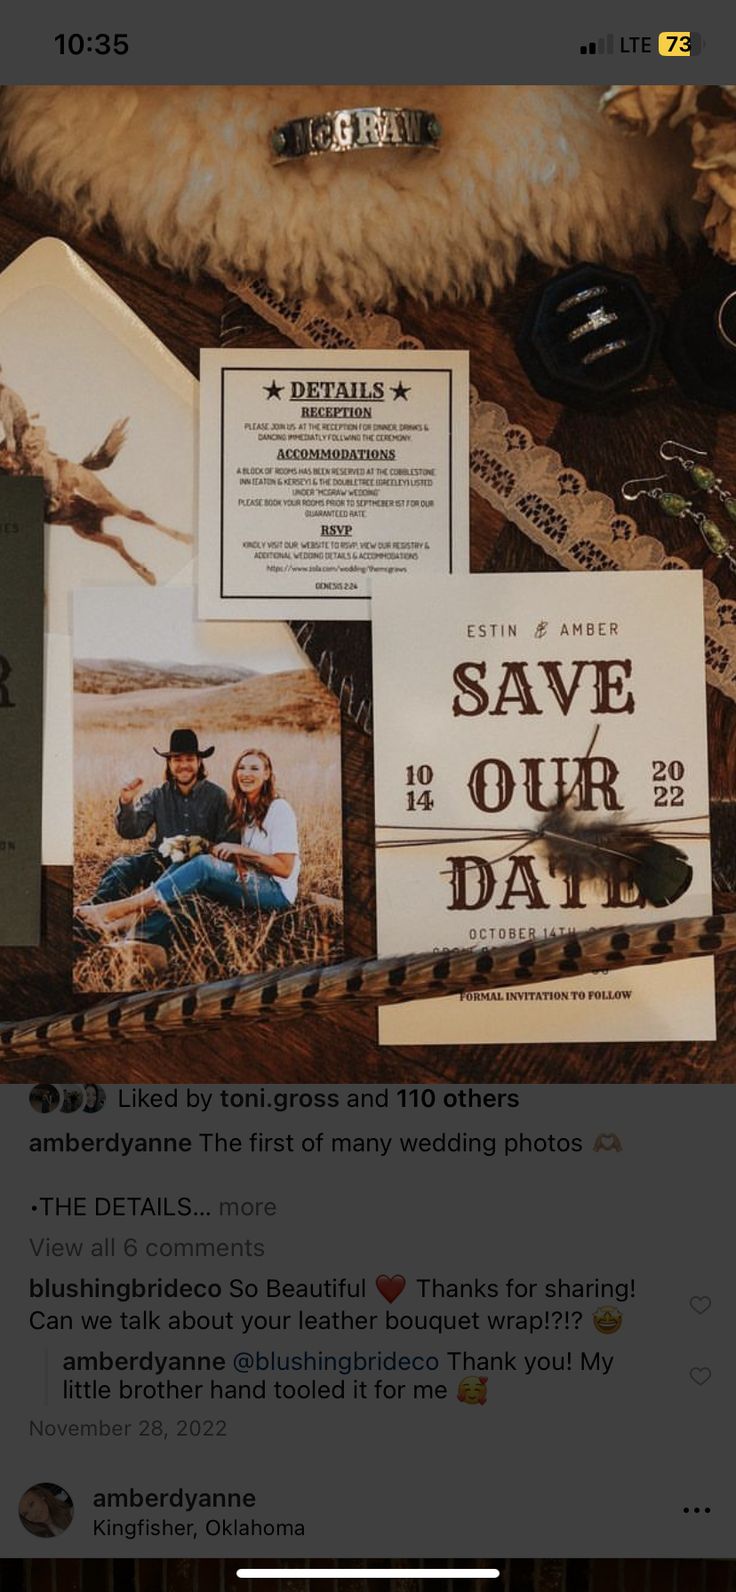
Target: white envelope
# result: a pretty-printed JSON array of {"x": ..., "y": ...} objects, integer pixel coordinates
[{"x": 81, "y": 360}]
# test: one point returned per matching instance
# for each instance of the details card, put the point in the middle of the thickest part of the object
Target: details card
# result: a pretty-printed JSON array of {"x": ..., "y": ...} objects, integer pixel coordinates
[
  {"x": 21, "y": 708},
  {"x": 541, "y": 768},
  {"x": 319, "y": 471}
]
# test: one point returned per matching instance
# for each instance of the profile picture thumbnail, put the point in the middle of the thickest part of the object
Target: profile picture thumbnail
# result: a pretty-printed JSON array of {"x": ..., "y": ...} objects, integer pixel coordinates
[
  {"x": 46, "y": 1510},
  {"x": 44, "y": 1097},
  {"x": 73, "y": 1097}
]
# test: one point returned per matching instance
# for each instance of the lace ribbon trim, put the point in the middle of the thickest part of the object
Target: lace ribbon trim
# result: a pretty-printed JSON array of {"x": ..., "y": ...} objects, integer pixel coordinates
[{"x": 527, "y": 482}]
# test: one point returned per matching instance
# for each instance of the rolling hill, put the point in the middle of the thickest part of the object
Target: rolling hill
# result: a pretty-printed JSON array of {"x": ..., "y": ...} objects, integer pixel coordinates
[
  {"x": 294, "y": 699},
  {"x": 116, "y": 675}
]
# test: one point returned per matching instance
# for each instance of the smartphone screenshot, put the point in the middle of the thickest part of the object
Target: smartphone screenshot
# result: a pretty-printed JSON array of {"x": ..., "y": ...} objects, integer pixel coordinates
[{"x": 367, "y": 842}]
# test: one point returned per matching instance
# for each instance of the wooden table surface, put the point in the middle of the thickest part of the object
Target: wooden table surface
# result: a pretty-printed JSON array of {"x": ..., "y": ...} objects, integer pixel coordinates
[{"x": 607, "y": 448}]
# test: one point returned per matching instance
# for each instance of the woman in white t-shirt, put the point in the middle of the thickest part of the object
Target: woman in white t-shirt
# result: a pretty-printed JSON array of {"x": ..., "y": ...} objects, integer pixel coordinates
[{"x": 259, "y": 871}]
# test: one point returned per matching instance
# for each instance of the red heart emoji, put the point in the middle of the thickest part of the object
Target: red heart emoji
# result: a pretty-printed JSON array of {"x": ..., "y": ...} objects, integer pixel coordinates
[{"x": 390, "y": 1287}]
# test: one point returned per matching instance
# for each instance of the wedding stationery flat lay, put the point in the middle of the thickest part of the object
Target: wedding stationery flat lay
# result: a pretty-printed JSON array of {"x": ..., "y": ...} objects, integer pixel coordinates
[{"x": 387, "y": 594}]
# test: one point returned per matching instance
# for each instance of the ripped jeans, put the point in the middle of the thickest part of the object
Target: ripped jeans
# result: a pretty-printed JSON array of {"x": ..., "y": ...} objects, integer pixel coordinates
[{"x": 219, "y": 881}]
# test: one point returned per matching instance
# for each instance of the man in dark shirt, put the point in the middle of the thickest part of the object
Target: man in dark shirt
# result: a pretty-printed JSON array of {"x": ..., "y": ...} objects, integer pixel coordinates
[{"x": 187, "y": 803}]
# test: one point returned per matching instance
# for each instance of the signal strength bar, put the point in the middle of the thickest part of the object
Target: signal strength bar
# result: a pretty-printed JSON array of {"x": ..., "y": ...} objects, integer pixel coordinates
[{"x": 598, "y": 46}]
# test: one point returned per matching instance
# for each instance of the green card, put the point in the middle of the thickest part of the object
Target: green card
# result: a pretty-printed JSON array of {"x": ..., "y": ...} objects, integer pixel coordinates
[{"x": 21, "y": 709}]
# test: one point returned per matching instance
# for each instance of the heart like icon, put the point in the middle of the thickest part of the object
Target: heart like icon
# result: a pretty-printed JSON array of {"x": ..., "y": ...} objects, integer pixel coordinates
[
  {"x": 700, "y": 1374},
  {"x": 390, "y": 1287},
  {"x": 701, "y": 1303}
]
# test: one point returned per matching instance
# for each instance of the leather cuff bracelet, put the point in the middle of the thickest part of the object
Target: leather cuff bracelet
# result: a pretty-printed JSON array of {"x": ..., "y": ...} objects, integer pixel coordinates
[{"x": 367, "y": 127}]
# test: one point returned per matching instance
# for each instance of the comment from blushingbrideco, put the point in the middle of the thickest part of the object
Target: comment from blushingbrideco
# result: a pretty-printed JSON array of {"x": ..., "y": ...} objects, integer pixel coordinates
[{"x": 293, "y": 1322}]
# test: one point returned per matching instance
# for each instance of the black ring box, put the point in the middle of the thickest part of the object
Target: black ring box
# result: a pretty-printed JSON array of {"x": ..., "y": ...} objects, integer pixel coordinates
[{"x": 555, "y": 365}]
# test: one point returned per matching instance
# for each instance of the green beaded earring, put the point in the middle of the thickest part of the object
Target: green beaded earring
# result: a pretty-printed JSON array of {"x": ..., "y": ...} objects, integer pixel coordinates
[
  {"x": 678, "y": 508},
  {"x": 703, "y": 478}
]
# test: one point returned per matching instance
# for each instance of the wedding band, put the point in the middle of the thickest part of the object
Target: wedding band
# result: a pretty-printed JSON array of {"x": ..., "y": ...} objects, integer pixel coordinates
[
  {"x": 366, "y": 127},
  {"x": 601, "y": 353},
  {"x": 594, "y": 321},
  {"x": 723, "y": 335},
  {"x": 581, "y": 298}
]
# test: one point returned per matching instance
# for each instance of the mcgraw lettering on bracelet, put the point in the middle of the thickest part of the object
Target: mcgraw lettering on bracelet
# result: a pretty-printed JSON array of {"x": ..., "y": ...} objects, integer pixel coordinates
[{"x": 365, "y": 127}]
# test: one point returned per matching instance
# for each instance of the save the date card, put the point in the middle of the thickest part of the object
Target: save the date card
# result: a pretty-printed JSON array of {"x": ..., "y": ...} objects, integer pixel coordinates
[{"x": 541, "y": 769}]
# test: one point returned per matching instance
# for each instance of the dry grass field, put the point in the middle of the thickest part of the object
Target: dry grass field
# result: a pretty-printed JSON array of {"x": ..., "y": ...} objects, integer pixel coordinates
[{"x": 115, "y": 733}]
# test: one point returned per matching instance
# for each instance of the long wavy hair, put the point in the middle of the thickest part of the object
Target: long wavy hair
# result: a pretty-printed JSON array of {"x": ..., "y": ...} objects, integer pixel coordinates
[
  {"x": 60, "y": 1510},
  {"x": 240, "y": 812}
]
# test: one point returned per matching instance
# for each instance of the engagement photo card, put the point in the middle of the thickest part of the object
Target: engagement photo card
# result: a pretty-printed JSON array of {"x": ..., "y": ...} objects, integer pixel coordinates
[
  {"x": 208, "y": 829},
  {"x": 320, "y": 470},
  {"x": 541, "y": 769}
]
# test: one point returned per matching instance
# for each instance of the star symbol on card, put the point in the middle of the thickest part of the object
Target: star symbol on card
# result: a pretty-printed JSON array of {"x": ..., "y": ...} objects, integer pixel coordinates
[
  {"x": 400, "y": 391},
  {"x": 273, "y": 391}
]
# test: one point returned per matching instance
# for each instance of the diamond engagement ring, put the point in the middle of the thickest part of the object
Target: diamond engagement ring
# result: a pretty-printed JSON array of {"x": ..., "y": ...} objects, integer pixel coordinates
[{"x": 595, "y": 320}]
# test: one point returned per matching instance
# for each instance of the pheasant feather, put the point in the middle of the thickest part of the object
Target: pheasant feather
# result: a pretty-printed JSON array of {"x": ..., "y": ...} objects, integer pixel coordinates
[{"x": 388, "y": 979}]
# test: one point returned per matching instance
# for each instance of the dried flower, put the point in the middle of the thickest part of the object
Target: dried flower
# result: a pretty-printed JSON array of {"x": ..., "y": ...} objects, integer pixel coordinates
[
  {"x": 643, "y": 107},
  {"x": 714, "y": 157},
  {"x": 181, "y": 848},
  {"x": 171, "y": 849}
]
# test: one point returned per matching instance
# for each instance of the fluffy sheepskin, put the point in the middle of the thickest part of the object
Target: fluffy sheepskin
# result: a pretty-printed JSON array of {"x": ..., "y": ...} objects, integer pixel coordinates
[{"x": 185, "y": 174}]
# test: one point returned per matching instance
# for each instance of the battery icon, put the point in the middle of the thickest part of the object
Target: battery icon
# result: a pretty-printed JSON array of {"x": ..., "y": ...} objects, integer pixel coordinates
[{"x": 678, "y": 43}]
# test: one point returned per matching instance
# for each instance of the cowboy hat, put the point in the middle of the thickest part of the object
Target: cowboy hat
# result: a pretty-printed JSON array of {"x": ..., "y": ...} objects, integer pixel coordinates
[{"x": 183, "y": 742}]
